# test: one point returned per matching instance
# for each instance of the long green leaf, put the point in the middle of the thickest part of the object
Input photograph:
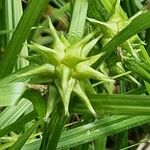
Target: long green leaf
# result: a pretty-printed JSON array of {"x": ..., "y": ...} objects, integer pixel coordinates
[
  {"x": 53, "y": 131},
  {"x": 12, "y": 113},
  {"x": 55, "y": 134},
  {"x": 76, "y": 30},
  {"x": 95, "y": 130},
  {"x": 118, "y": 104},
  {"x": 99, "y": 129}
]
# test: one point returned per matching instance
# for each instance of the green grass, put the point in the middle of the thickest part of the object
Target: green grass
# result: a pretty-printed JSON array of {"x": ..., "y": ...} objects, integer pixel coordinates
[{"x": 74, "y": 74}]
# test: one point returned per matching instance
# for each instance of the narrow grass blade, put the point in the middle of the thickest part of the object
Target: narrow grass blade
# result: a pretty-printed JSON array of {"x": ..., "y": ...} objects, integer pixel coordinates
[
  {"x": 78, "y": 20},
  {"x": 118, "y": 104},
  {"x": 96, "y": 10},
  {"x": 53, "y": 130},
  {"x": 99, "y": 129},
  {"x": 56, "y": 133},
  {"x": 11, "y": 114}
]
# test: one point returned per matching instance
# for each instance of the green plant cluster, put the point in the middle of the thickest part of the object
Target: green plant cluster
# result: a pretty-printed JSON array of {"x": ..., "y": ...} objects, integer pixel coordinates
[{"x": 74, "y": 74}]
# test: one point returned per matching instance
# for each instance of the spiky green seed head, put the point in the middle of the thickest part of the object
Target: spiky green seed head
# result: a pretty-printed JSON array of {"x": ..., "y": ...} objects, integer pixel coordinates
[{"x": 71, "y": 65}]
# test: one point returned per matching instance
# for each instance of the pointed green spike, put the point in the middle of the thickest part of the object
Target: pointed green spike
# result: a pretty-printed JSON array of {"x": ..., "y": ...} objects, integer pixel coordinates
[
  {"x": 67, "y": 86},
  {"x": 77, "y": 47},
  {"x": 129, "y": 47},
  {"x": 58, "y": 44},
  {"x": 88, "y": 86},
  {"x": 65, "y": 77},
  {"x": 66, "y": 93},
  {"x": 79, "y": 90},
  {"x": 64, "y": 40},
  {"x": 91, "y": 60},
  {"x": 74, "y": 52},
  {"x": 52, "y": 100},
  {"x": 83, "y": 71},
  {"x": 72, "y": 59},
  {"x": 49, "y": 54},
  {"x": 46, "y": 70},
  {"x": 117, "y": 15},
  {"x": 85, "y": 39},
  {"x": 35, "y": 58},
  {"x": 59, "y": 87},
  {"x": 104, "y": 68},
  {"x": 108, "y": 28},
  {"x": 134, "y": 80},
  {"x": 86, "y": 49}
]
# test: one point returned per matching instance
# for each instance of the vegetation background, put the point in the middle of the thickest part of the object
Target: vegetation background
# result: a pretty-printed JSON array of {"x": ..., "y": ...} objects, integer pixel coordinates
[{"x": 74, "y": 74}]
